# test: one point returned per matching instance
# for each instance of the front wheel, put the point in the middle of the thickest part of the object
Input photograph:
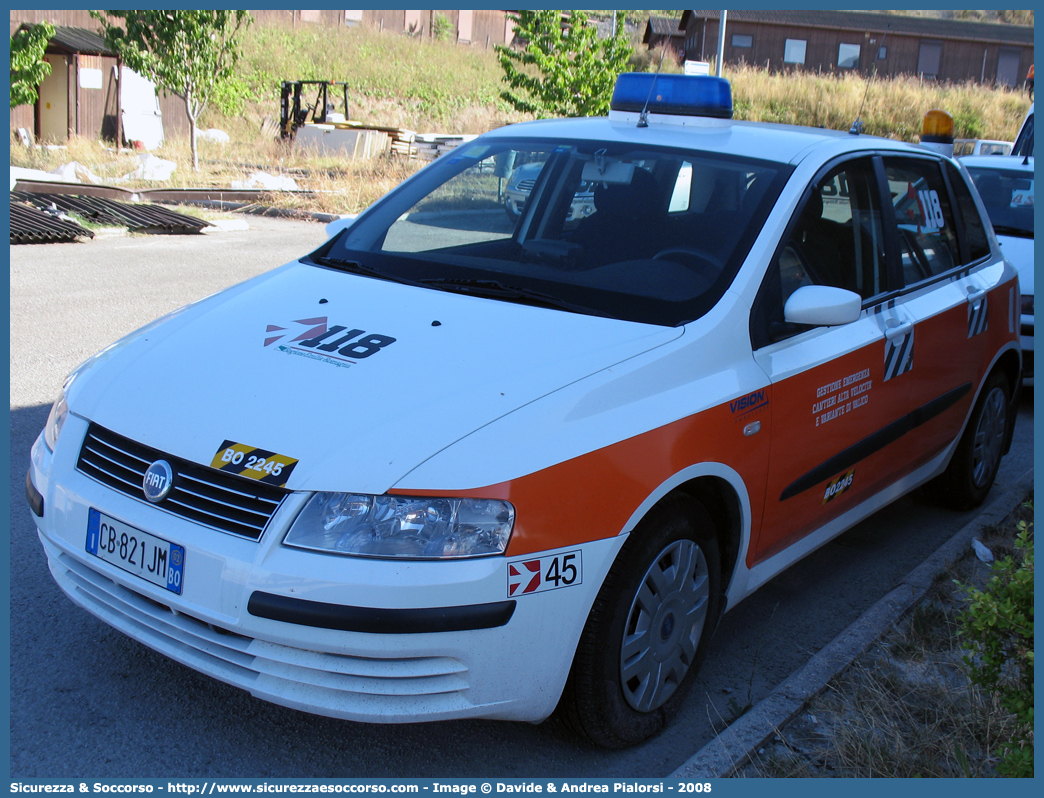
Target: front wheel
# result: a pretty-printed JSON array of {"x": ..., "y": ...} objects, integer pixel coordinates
[
  {"x": 648, "y": 628},
  {"x": 971, "y": 472}
]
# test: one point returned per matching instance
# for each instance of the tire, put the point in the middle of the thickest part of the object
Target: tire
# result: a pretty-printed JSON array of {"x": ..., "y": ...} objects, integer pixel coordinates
[
  {"x": 971, "y": 472},
  {"x": 648, "y": 629}
]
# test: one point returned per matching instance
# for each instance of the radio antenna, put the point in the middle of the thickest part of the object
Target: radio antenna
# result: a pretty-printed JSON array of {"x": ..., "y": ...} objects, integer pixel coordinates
[
  {"x": 857, "y": 126},
  {"x": 643, "y": 118}
]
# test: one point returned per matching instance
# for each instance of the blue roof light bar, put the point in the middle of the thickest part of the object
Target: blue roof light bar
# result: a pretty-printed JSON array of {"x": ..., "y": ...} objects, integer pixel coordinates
[{"x": 679, "y": 95}]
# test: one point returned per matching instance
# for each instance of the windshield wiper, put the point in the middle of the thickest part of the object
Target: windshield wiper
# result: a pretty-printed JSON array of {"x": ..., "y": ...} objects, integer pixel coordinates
[
  {"x": 493, "y": 289},
  {"x": 355, "y": 267}
]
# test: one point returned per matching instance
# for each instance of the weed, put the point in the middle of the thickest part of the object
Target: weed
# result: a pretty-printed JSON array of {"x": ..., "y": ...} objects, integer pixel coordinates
[
  {"x": 998, "y": 626},
  {"x": 907, "y": 708}
]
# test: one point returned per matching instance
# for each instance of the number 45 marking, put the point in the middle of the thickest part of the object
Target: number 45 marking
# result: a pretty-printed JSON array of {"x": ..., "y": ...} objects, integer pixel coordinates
[{"x": 545, "y": 573}]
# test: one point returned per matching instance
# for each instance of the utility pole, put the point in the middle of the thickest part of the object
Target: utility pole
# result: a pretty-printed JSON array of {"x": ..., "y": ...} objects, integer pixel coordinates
[{"x": 721, "y": 43}]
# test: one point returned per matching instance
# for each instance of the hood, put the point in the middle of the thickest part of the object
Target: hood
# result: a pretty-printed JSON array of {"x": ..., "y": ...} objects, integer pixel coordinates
[{"x": 358, "y": 379}]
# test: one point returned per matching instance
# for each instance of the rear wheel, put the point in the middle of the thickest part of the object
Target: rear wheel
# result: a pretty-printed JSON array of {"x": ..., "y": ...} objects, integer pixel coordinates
[
  {"x": 648, "y": 629},
  {"x": 976, "y": 461}
]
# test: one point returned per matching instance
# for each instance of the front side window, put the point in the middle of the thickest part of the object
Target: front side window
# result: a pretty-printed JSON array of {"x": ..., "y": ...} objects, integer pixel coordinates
[
  {"x": 921, "y": 207},
  {"x": 836, "y": 239},
  {"x": 636, "y": 233}
]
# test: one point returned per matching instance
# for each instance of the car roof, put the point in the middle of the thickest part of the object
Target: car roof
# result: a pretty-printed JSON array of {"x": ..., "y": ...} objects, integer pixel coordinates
[
  {"x": 759, "y": 140},
  {"x": 1014, "y": 162}
]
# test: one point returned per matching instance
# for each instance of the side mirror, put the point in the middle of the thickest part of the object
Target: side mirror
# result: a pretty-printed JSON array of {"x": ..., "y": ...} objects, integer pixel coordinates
[
  {"x": 822, "y": 306},
  {"x": 337, "y": 225}
]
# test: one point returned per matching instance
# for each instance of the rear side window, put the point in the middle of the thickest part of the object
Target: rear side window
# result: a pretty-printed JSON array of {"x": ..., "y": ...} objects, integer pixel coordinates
[{"x": 921, "y": 207}]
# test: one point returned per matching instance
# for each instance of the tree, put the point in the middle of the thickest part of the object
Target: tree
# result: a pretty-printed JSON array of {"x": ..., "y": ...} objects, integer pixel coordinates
[
  {"x": 28, "y": 69},
  {"x": 188, "y": 53},
  {"x": 564, "y": 69}
]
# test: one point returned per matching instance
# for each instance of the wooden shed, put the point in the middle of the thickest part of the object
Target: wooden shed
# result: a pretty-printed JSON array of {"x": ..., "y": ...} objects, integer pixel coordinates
[
  {"x": 844, "y": 41},
  {"x": 81, "y": 95},
  {"x": 664, "y": 31}
]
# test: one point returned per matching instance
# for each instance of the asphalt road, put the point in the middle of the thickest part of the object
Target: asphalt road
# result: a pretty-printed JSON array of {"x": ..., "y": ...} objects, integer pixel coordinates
[{"x": 89, "y": 702}]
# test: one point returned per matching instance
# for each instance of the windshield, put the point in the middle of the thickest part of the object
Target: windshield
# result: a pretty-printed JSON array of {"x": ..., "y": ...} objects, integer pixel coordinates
[
  {"x": 609, "y": 229},
  {"x": 1008, "y": 197},
  {"x": 1024, "y": 143}
]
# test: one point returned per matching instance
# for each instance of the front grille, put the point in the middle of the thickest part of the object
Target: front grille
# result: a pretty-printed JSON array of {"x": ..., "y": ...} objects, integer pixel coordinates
[{"x": 204, "y": 495}]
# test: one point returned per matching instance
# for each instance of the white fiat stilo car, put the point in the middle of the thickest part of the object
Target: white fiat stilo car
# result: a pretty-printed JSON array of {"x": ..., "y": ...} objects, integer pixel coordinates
[{"x": 457, "y": 463}]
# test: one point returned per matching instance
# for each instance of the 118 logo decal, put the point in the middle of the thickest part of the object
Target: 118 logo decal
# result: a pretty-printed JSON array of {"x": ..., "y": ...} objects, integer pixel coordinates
[{"x": 333, "y": 341}]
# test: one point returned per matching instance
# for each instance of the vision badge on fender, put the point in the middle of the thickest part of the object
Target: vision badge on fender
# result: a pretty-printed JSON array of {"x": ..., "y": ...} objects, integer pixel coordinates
[{"x": 158, "y": 480}]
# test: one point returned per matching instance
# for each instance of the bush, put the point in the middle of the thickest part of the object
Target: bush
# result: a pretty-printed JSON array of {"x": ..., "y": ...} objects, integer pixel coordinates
[
  {"x": 997, "y": 625},
  {"x": 442, "y": 28}
]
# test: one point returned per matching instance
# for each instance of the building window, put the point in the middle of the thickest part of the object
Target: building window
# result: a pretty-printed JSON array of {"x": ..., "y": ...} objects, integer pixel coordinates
[
  {"x": 882, "y": 53},
  {"x": 794, "y": 51},
  {"x": 848, "y": 56},
  {"x": 929, "y": 57},
  {"x": 742, "y": 40}
]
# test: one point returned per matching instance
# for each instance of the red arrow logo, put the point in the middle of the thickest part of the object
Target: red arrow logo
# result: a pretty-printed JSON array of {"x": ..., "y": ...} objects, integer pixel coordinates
[{"x": 530, "y": 576}]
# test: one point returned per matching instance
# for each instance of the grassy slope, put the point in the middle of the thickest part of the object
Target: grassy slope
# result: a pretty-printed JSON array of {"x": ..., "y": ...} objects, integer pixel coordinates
[
  {"x": 429, "y": 86},
  {"x": 424, "y": 85}
]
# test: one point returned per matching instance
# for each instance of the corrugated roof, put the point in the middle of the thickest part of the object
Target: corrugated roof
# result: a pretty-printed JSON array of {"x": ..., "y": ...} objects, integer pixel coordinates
[
  {"x": 137, "y": 217},
  {"x": 78, "y": 40},
  {"x": 30, "y": 225},
  {"x": 664, "y": 26},
  {"x": 869, "y": 21}
]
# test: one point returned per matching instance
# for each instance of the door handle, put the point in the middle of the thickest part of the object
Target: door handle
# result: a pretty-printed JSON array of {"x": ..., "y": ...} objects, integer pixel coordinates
[
  {"x": 899, "y": 330},
  {"x": 976, "y": 295}
]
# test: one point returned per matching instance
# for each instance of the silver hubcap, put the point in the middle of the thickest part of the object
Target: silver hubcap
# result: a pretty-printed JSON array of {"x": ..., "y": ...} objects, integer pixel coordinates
[
  {"x": 989, "y": 438},
  {"x": 664, "y": 625}
]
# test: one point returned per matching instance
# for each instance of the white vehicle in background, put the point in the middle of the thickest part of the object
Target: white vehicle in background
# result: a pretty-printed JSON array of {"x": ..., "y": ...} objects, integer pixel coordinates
[
  {"x": 1005, "y": 186},
  {"x": 966, "y": 147},
  {"x": 520, "y": 185},
  {"x": 453, "y": 464}
]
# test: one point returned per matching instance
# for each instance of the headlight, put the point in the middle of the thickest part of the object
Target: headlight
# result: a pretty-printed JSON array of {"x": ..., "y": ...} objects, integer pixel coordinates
[
  {"x": 1027, "y": 304},
  {"x": 59, "y": 412},
  {"x": 402, "y": 526}
]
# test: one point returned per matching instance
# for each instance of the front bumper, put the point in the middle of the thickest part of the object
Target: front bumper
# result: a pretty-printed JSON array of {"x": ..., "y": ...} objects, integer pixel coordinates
[{"x": 366, "y": 640}]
